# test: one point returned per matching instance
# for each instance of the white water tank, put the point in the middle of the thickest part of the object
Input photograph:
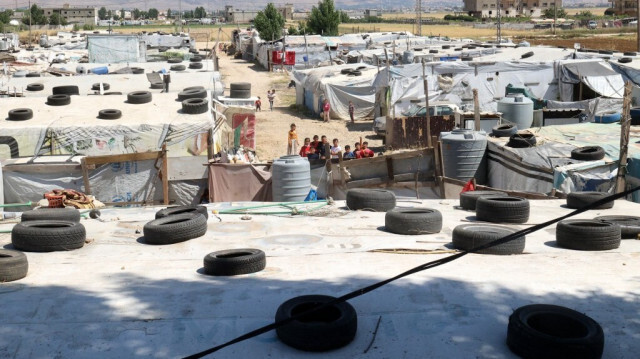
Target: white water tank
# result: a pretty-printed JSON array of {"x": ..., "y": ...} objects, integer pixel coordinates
[
  {"x": 517, "y": 109},
  {"x": 291, "y": 178}
]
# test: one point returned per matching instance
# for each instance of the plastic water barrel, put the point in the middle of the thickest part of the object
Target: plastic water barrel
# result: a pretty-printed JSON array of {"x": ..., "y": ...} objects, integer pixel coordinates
[
  {"x": 20, "y": 74},
  {"x": 517, "y": 109},
  {"x": 609, "y": 117},
  {"x": 291, "y": 179},
  {"x": 463, "y": 154},
  {"x": 103, "y": 70},
  {"x": 407, "y": 57}
]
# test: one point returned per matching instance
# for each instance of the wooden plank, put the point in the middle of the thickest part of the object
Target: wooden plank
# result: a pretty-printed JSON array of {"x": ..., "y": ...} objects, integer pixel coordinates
[
  {"x": 85, "y": 176},
  {"x": 625, "y": 127},
  {"x": 101, "y": 160},
  {"x": 396, "y": 156},
  {"x": 405, "y": 177},
  {"x": 43, "y": 167},
  {"x": 342, "y": 169},
  {"x": 476, "y": 110},
  {"x": 390, "y": 168},
  {"x": 459, "y": 184},
  {"x": 165, "y": 175}
]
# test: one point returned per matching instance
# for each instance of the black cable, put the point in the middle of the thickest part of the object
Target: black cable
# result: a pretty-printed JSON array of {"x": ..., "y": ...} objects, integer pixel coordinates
[{"x": 417, "y": 269}]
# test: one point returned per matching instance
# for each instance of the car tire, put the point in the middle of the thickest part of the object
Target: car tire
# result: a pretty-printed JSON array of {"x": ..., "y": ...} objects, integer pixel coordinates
[
  {"x": 35, "y": 87},
  {"x": 58, "y": 100},
  {"x": 625, "y": 60},
  {"x": 234, "y": 262},
  {"x": 503, "y": 209},
  {"x": 51, "y": 214},
  {"x": 196, "y": 59},
  {"x": 468, "y": 199},
  {"x": 324, "y": 330},
  {"x": 588, "y": 235},
  {"x": 20, "y": 114},
  {"x": 377, "y": 200},
  {"x": 109, "y": 114},
  {"x": 174, "y": 229},
  {"x": 96, "y": 86},
  {"x": 469, "y": 236},
  {"x": 629, "y": 225},
  {"x": 65, "y": 90},
  {"x": 48, "y": 236},
  {"x": 156, "y": 85},
  {"x": 13, "y": 265},
  {"x": 526, "y": 55},
  {"x": 172, "y": 211},
  {"x": 413, "y": 221},
  {"x": 177, "y": 68},
  {"x": 588, "y": 153},
  {"x": 522, "y": 140},
  {"x": 196, "y": 93},
  {"x": 240, "y": 86},
  {"x": 137, "y": 70},
  {"x": 195, "y": 106},
  {"x": 174, "y": 60},
  {"x": 580, "y": 199},
  {"x": 139, "y": 97},
  {"x": 553, "y": 332},
  {"x": 504, "y": 130},
  {"x": 195, "y": 65}
]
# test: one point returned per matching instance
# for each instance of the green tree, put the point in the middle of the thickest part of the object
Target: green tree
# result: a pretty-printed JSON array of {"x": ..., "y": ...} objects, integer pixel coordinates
[
  {"x": 153, "y": 13},
  {"x": 292, "y": 30},
  {"x": 344, "y": 17},
  {"x": 200, "y": 13},
  {"x": 55, "y": 19},
  {"x": 5, "y": 16},
  {"x": 36, "y": 15},
  {"x": 136, "y": 14},
  {"x": 548, "y": 13},
  {"x": 115, "y": 16},
  {"x": 168, "y": 13},
  {"x": 324, "y": 19},
  {"x": 269, "y": 23},
  {"x": 102, "y": 13}
]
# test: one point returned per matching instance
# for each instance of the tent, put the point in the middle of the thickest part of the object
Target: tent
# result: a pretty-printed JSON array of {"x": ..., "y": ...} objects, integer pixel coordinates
[{"x": 583, "y": 79}]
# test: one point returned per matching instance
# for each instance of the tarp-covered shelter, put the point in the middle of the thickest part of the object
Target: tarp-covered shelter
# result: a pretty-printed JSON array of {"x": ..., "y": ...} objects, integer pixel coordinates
[
  {"x": 116, "y": 48},
  {"x": 585, "y": 79}
]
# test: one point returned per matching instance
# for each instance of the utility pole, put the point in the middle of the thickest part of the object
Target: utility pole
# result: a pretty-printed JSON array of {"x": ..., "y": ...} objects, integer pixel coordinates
[
  {"x": 555, "y": 16},
  {"x": 498, "y": 24},
  {"x": 180, "y": 17},
  {"x": 419, "y": 16},
  {"x": 638, "y": 26},
  {"x": 30, "y": 23}
]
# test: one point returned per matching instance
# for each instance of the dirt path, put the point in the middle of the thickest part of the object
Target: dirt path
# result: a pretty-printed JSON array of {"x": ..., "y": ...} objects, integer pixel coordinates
[{"x": 272, "y": 126}]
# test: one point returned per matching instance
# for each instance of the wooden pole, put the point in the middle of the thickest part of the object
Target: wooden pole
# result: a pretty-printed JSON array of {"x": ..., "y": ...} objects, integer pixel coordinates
[
  {"x": 165, "y": 175},
  {"x": 476, "y": 111},
  {"x": 625, "y": 127},
  {"x": 425, "y": 84}
]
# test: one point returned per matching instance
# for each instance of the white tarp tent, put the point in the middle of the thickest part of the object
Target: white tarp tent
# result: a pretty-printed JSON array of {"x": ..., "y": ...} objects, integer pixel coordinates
[
  {"x": 116, "y": 48},
  {"x": 597, "y": 75}
]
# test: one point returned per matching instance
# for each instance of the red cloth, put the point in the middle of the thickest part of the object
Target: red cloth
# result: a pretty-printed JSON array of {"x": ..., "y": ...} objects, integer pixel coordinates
[
  {"x": 468, "y": 187},
  {"x": 358, "y": 154},
  {"x": 304, "y": 150},
  {"x": 367, "y": 153},
  {"x": 326, "y": 107}
]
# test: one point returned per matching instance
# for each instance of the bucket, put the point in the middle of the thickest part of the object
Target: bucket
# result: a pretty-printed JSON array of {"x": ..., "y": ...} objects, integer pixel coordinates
[{"x": 55, "y": 201}]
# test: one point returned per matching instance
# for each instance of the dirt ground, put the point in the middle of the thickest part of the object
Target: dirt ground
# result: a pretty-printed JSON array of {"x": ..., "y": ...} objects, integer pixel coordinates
[
  {"x": 272, "y": 126},
  {"x": 613, "y": 43}
]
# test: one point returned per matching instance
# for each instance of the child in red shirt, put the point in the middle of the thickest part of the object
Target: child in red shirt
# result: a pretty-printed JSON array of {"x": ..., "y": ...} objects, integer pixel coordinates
[
  {"x": 304, "y": 150},
  {"x": 258, "y": 104}
]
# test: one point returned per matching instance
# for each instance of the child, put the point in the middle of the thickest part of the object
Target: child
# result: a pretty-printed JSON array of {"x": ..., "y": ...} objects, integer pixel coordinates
[
  {"x": 326, "y": 108},
  {"x": 316, "y": 141},
  {"x": 366, "y": 152},
  {"x": 335, "y": 149},
  {"x": 352, "y": 109},
  {"x": 258, "y": 104},
  {"x": 312, "y": 155},
  {"x": 271, "y": 95},
  {"x": 292, "y": 141},
  {"x": 304, "y": 150},
  {"x": 348, "y": 154},
  {"x": 357, "y": 152}
]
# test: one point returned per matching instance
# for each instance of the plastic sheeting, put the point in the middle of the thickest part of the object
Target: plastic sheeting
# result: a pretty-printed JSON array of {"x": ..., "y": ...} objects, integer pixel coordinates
[
  {"x": 116, "y": 49},
  {"x": 597, "y": 75}
]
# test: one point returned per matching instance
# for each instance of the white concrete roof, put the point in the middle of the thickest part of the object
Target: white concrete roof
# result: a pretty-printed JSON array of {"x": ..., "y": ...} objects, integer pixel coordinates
[
  {"x": 118, "y": 82},
  {"x": 120, "y": 298}
]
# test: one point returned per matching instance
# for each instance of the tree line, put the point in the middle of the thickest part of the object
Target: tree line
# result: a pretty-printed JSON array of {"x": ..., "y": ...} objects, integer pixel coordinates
[
  {"x": 323, "y": 19},
  {"x": 152, "y": 14}
]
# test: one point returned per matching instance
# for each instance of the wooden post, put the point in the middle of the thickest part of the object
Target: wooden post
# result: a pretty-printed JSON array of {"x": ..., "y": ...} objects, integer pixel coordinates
[
  {"x": 85, "y": 176},
  {"x": 210, "y": 150},
  {"x": 165, "y": 175},
  {"x": 625, "y": 126},
  {"x": 342, "y": 169},
  {"x": 437, "y": 165},
  {"x": 425, "y": 84},
  {"x": 476, "y": 110}
]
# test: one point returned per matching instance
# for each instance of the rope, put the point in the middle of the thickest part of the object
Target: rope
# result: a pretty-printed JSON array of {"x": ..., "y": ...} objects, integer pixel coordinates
[{"x": 420, "y": 268}]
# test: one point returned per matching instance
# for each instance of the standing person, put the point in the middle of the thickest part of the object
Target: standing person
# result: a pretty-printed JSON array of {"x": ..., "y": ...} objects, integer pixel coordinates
[
  {"x": 348, "y": 154},
  {"x": 326, "y": 108},
  {"x": 352, "y": 109},
  {"x": 365, "y": 150},
  {"x": 356, "y": 150},
  {"x": 335, "y": 149},
  {"x": 258, "y": 104},
  {"x": 166, "y": 80},
  {"x": 292, "y": 141},
  {"x": 321, "y": 148},
  {"x": 271, "y": 95},
  {"x": 304, "y": 150}
]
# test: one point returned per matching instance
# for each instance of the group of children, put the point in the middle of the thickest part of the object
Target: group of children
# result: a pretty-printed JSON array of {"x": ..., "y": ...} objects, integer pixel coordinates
[
  {"x": 317, "y": 149},
  {"x": 271, "y": 96}
]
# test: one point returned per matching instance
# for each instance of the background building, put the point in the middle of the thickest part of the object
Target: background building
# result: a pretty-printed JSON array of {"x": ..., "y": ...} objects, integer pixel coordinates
[
  {"x": 625, "y": 7},
  {"x": 232, "y": 15},
  {"x": 508, "y": 8},
  {"x": 74, "y": 15}
]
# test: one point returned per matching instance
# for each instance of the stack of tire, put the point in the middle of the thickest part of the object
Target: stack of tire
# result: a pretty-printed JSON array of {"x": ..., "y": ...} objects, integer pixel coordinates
[
  {"x": 48, "y": 230},
  {"x": 194, "y": 100},
  {"x": 240, "y": 90},
  {"x": 588, "y": 153},
  {"x": 353, "y": 72},
  {"x": 176, "y": 224}
]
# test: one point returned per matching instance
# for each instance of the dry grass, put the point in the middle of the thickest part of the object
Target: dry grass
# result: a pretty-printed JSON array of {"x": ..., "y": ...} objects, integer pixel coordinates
[
  {"x": 596, "y": 11},
  {"x": 456, "y": 31}
]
